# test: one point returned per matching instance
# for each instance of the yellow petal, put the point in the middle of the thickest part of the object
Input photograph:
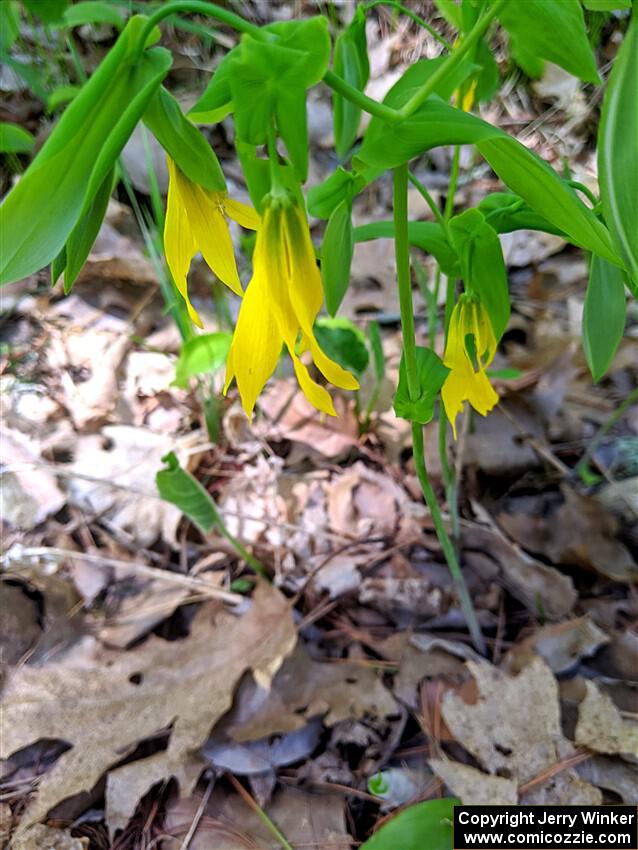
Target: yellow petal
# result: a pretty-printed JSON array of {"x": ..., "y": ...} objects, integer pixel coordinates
[
  {"x": 242, "y": 214},
  {"x": 455, "y": 356},
  {"x": 179, "y": 244},
  {"x": 210, "y": 230},
  {"x": 256, "y": 344},
  {"x": 306, "y": 290},
  {"x": 481, "y": 394},
  {"x": 453, "y": 396},
  {"x": 332, "y": 371},
  {"x": 467, "y": 385},
  {"x": 317, "y": 395}
]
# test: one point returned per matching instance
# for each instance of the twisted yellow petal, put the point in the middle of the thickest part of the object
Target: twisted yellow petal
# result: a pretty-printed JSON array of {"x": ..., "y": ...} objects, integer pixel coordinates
[
  {"x": 196, "y": 221},
  {"x": 282, "y": 301}
]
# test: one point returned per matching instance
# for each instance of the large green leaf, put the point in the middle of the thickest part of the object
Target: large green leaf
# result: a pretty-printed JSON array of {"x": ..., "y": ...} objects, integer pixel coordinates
[
  {"x": 343, "y": 342},
  {"x": 618, "y": 152},
  {"x": 424, "y": 826},
  {"x": 183, "y": 142},
  {"x": 603, "y": 316},
  {"x": 49, "y": 11},
  {"x": 352, "y": 65},
  {"x": 506, "y": 212},
  {"x": 216, "y": 101},
  {"x": 554, "y": 30},
  {"x": 41, "y": 211},
  {"x": 483, "y": 267},
  {"x": 436, "y": 123},
  {"x": 336, "y": 256},
  {"x": 85, "y": 232},
  {"x": 9, "y": 23}
]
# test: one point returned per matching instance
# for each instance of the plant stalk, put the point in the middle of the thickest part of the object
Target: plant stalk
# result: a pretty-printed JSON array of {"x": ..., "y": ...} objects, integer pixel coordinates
[{"x": 402, "y": 253}]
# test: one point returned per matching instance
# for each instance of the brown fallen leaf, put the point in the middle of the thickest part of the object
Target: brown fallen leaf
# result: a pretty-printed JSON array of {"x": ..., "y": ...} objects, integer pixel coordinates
[
  {"x": 40, "y": 837},
  {"x": 228, "y": 823},
  {"x": 612, "y": 774},
  {"x": 578, "y": 532},
  {"x": 514, "y": 731},
  {"x": 472, "y": 786},
  {"x": 542, "y": 589},
  {"x": 303, "y": 689},
  {"x": 602, "y": 728},
  {"x": 104, "y": 703},
  {"x": 562, "y": 645}
]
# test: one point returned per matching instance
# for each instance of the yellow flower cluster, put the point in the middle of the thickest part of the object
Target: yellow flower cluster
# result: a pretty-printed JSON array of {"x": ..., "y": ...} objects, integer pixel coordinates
[{"x": 283, "y": 296}]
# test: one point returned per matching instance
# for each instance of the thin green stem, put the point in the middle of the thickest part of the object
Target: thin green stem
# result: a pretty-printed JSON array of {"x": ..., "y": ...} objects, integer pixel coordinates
[
  {"x": 373, "y": 107},
  {"x": 276, "y": 185},
  {"x": 417, "y": 20},
  {"x": 429, "y": 200},
  {"x": 446, "y": 544},
  {"x": 443, "y": 71},
  {"x": 402, "y": 253},
  {"x": 604, "y": 429},
  {"x": 454, "y": 181},
  {"x": 261, "y": 814},
  {"x": 198, "y": 7}
]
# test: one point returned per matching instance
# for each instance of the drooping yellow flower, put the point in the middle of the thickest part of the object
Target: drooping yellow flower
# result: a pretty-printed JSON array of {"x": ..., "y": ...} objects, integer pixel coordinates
[
  {"x": 470, "y": 349},
  {"x": 279, "y": 308},
  {"x": 196, "y": 221}
]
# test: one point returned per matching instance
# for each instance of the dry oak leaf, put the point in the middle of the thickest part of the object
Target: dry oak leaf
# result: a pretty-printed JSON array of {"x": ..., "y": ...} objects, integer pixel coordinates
[
  {"x": 104, "y": 703},
  {"x": 602, "y": 728},
  {"x": 473, "y": 787},
  {"x": 514, "y": 729}
]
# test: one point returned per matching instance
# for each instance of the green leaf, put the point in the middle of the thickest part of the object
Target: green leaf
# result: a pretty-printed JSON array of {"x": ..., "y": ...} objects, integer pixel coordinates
[
  {"x": 424, "y": 826},
  {"x": 183, "y": 141},
  {"x": 553, "y": 30},
  {"x": 415, "y": 77},
  {"x": 326, "y": 196},
  {"x": 606, "y": 5},
  {"x": 38, "y": 215},
  {"x": 618, "y": 152},
  {"x": 451, "y": 11},
  {"x": 603, "y": 315},
  {"x": 93, "y": 12},
  {"x": 14, "y": 139},
  {"x": 61, "y": 96},
  {"x": 426, "y": 235},
  {"x": 9, "y": 23},
  {"x": 344, "y": 342},
  {"x": 352, "y": 65},
  {"x": 431, "y": 374},
  {"x": 482, "y": 265},
  {"x": 85, "y": 232},
  {"x": 49, "y": 11},
  {"x": 180, "y": 488},
  {"x": 506, "y": 212},
  {"x": 216, "y": 101},
  {"x": 201, "y": 355},
  {"x": 336, "y": 256}
]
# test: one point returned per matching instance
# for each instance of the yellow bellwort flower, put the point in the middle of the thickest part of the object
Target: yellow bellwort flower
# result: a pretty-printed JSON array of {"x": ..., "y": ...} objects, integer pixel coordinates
[
  {"x": 469, "y": 323},
  {"x": 281, "y": 302},
  {"x": 196, "y": 221}
]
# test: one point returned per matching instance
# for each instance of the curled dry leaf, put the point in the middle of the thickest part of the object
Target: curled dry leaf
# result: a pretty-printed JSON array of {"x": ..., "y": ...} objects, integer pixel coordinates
[
  {"x": 602, "y": 728},
  {"x": 542, "y": 589},
  {"x": 185, "y": 685}
]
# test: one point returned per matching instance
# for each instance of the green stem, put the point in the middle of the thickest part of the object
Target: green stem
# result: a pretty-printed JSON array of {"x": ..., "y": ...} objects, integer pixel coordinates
[
  {"x": 276, "y": 185},
  {"x": 412, "y": 16},
  {"x": 402, "y": 252},
  {"x": 443, "y": 71},
  {"x": 373, "y": 107},
  {"x": 198, "y": 7},
  {"x": 446, "y": 544},
  {"x": 429, "y": 200},
  {"x": 604, "y": 429}
]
